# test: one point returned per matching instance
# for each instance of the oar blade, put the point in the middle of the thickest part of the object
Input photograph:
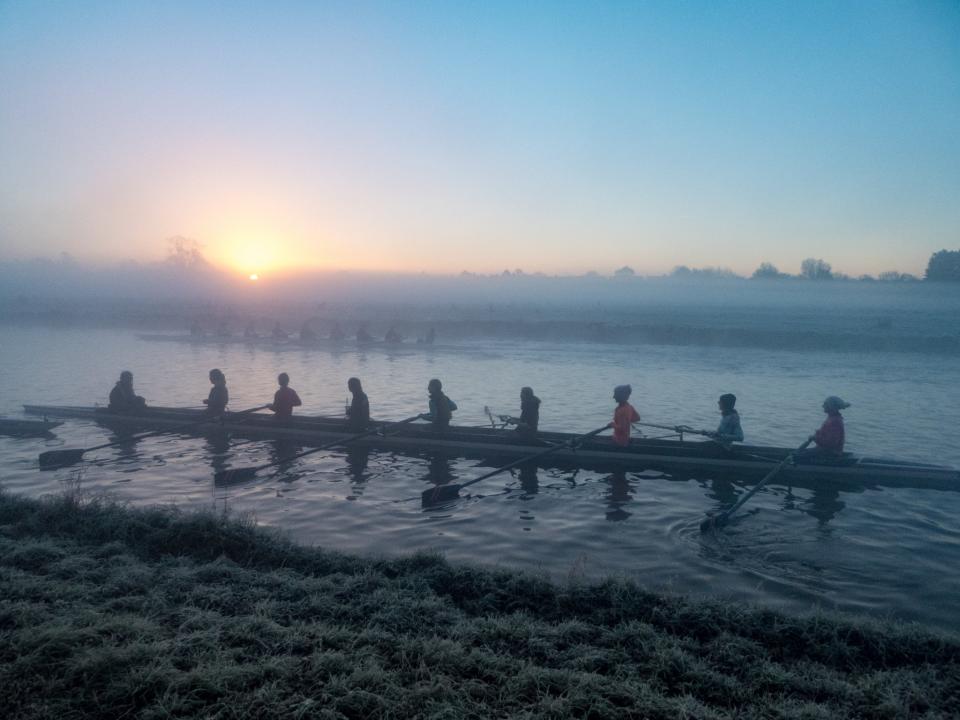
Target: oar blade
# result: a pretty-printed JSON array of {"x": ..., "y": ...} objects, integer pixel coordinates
[
  {"x": 52, "y": 459},
  {"x": 711, "y": 523},
  {"x": 440, "y": 493},
  {"x": 234, "y": 475}
]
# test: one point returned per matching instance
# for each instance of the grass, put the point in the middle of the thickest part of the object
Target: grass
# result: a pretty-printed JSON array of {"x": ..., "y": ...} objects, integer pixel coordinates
[{"x": 107, "y": 611}]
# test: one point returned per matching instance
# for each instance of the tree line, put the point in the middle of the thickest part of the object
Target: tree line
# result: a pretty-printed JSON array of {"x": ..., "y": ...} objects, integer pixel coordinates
[{"x": 943, "y": 266}]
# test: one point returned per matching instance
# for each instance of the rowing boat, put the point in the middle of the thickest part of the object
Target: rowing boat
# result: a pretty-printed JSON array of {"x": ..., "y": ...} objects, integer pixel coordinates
[
  {"x": 25, "y": 428},
  {"x": 704, "y": 459},
  {"x": 294, "y": 343}
]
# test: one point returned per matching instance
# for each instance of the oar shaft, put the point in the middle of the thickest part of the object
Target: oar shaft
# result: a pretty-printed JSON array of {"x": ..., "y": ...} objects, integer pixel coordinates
[
  {"x": 769, "y": 476},
  {"x": 329, "y": 445},
  {"x": 676, "y": 428},
  {"x": 175, "y": 428},
  {"x": 530, "y": 458}
]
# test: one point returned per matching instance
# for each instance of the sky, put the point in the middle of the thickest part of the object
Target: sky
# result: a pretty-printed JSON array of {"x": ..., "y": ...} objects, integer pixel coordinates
[{"x": 438, "y": 137}]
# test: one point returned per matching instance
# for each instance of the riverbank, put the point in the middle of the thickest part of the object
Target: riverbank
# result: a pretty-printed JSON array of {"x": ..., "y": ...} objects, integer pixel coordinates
[{"x": 108, "y": 611}]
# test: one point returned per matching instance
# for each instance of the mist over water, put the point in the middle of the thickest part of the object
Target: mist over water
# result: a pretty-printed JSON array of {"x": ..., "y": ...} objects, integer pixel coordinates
[{"x": 870, "y": 549}]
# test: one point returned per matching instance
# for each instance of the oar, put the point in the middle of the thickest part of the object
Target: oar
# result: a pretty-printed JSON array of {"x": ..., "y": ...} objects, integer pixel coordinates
[
  {"x": 62, "y": 458},
  {"x": 440, "y": 493},
  {"x": 246, "y": 473},
  {"x": 679, "y": 429},
  {"x": 717, "y": 521}
]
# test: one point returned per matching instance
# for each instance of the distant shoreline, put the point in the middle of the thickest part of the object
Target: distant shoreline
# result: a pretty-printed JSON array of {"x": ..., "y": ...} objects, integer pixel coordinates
[{"x": 107, "y": 611}]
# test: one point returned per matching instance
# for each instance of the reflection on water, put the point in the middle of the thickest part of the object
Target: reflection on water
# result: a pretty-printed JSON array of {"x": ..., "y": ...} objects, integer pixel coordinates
[
  {"x": 618, "y": 496},
  {"x": 281, "y": 457},
  {"x": 823, "y": 505},
  {"x": 884, "y": 550},
  {"x": 218, "y": 449},
  {"x": 528, "y": 480},
  {"x": 440, "y": 469},
  {"x": 357, "y": 460}
]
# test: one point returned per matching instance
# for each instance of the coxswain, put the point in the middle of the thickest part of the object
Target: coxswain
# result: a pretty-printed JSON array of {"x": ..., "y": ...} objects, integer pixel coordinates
[
  {"x": 729, "y": 429},
  {"x": 623, "y": 416},
  {"x": 830, "y": 437},
  {"x": 122, "y": 396},
  {"x": 285, "y": 399},
  {"x": 358, "y": 413},
  {"x": 218, "y": 398},
  {"x": 441, "y": 407}
]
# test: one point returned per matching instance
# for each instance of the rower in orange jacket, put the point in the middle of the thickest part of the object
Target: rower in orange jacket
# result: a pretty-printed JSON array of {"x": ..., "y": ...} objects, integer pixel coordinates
[{"x": 623, "y": 416}]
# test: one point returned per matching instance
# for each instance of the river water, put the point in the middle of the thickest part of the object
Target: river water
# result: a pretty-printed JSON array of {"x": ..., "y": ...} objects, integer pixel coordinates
[{"x": 880, "y": 551}]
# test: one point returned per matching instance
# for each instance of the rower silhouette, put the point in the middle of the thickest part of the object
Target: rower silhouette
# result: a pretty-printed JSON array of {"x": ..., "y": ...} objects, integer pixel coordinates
[
  {"x": 358, "y": 412},
  {"x": 441, "y": 407},
  {"x": 218, "y": 397},
  {"x": 123, "y": 398}
]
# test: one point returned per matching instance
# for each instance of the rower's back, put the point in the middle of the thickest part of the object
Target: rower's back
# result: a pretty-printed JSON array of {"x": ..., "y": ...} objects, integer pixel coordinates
[{"x": 219, "y": 397}]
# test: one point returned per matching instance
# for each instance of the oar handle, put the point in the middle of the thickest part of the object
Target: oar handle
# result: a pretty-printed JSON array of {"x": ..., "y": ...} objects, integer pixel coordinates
[
  {"x": 753, "y": 491},
  {"x": 570, "y": 443},
  {"x": 333, "y": 444},
  {"x": 175, "y": 428}
]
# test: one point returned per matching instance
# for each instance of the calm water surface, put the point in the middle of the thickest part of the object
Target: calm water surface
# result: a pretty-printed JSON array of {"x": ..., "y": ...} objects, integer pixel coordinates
[{"x": 881, "y": 551}]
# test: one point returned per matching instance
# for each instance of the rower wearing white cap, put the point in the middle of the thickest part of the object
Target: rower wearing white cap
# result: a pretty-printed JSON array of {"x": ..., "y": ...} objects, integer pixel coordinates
[{"x": 830, "y": 437}]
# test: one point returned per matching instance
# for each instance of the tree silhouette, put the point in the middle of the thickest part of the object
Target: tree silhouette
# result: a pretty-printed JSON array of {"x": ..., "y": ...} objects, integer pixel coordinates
[
  {"x": 185, "y": 253},
  {"x": 944, "y": 266},
  {"x": 768, "y": 271},
  {"x": 816, "y": 269}
]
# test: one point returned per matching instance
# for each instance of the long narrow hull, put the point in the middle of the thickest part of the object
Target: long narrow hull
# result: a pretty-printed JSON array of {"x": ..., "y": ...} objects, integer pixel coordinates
[{"x": 704, "y": 459}]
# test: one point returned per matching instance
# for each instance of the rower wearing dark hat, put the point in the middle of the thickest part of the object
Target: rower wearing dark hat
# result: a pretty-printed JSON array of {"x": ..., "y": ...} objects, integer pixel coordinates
[{"x": 729, "y": 429}]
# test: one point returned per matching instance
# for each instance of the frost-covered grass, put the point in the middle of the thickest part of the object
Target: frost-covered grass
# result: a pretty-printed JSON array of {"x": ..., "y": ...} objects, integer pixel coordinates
[{"x": 111, "y": 612}]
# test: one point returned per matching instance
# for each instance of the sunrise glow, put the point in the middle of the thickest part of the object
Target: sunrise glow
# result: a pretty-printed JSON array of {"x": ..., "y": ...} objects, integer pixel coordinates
[{"x": 641, "y": 134}]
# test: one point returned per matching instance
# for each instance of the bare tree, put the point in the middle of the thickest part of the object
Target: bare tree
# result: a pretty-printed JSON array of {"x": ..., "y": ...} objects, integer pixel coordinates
[
  {"x": 185, "y": 253},
  {"x": 816, "y": 269}
]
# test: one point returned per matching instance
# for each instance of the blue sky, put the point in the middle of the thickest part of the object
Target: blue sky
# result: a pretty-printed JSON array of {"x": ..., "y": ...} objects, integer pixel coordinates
[{"x": 557, "y": 137}]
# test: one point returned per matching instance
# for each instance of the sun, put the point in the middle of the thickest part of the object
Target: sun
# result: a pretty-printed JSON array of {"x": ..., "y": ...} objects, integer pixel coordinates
[{"x": 254, "y": 277}]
